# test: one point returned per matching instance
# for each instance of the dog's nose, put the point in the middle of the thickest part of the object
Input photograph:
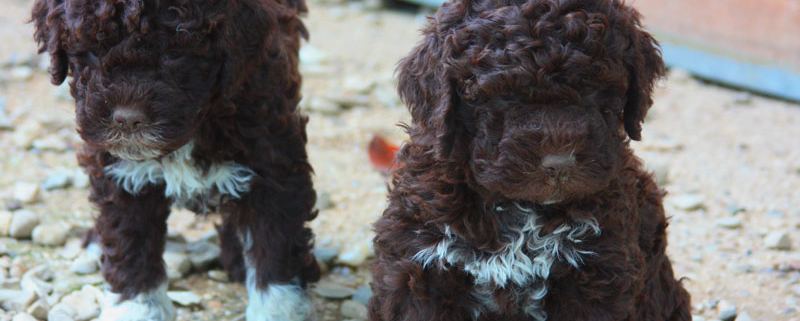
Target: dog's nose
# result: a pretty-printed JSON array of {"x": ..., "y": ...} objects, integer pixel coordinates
[
  {"x": 558, "y": 164},
  {"x": 129, "y": 119}
]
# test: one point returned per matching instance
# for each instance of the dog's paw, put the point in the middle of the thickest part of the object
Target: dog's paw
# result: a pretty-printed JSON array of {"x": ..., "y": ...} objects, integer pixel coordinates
[
  {"x": 149, "y": 306},
  {"x": 279, "y": 302}
]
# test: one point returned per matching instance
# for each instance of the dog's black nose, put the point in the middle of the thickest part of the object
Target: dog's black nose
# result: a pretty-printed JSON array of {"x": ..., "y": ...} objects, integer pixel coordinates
[
  {"x": 558, "y": 164},
  {"x": 129, "y": 119}
]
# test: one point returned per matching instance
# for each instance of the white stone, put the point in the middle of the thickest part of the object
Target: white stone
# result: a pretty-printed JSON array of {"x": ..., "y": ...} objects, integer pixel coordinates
[
  {"x": 178, "y": 262},
  {"x": 79, "y": 179},
  {"x": 26, "y": 133},
  {"x": 16, "y": 300},
  {"x": 23, "y": 223},
  {"x": 729, "y": 222},
  {"x": 355, "y": 254},
  {"x": 353, "y": 309},
  {"x": 50, "y": 234},
  {"x": 50, "y": 142},
  {"x": 72, "y": 249},
  {"x": 21, "y": 73},
  {"x": 84, "y": 264},
  {"x": 39, "y": 309},
  {"x": 778, "y": 241},
  {"x": 23, "y": 317},
  {"x": 26, "y": 192},
  {"x": 61, "y": 312},
  {"x": 202, "y": 254},
  {"x": 184, "y": 298},
  {"x": 358, "y": 84},
  {"x": 84, "y": 303},
  {"x": 5, "y": 222},
  {"x": 688, "y": 202}
]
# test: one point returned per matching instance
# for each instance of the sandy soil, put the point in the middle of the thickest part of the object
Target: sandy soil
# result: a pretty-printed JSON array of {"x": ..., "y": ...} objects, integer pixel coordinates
[{"x": 737, "y": 155}]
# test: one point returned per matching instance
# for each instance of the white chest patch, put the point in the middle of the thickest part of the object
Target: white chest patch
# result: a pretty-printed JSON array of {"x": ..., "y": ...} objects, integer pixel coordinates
[
  {"x": 523, "y": 263},
  {"x": 184, "y": 179}
]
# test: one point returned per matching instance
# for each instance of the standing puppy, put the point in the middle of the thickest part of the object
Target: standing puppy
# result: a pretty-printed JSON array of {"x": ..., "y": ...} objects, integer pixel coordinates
[
  {"x": 190, "y": 103},
  {"x": 518, "y": 197}
]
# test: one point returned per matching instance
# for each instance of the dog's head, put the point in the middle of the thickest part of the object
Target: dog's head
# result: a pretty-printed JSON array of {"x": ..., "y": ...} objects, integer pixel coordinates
[
  {"x": 146, "y": 73},
  {"x": 536, "y": 98}
]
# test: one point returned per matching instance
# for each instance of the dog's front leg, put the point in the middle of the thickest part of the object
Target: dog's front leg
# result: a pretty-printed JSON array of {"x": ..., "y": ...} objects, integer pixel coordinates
[
  {"x": 132, "y": 232},
  {"x": 277, "y": 247}
]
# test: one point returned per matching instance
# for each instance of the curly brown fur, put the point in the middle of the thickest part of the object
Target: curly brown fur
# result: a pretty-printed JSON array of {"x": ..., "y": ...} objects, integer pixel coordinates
[
  {"x": 519, "y": 197},
  {"x": 216, "y": 80}
]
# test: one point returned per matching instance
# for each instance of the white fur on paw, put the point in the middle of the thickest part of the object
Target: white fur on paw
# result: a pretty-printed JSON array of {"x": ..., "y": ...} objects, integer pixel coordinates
[
  {"x": 147, "y": 306},
  {"x": 278, "y": 302}
]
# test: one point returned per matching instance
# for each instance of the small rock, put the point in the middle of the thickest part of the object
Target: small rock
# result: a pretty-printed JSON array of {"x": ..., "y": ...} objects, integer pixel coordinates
[
  {"x": 26, "y": 133},
  {"x": 323, "y": 201},
  {"x": 202, "y": 254},
  {"x": 83, "y": 302},
  {"x": 688, "y": 202},
  {"x": 23, "y": 223},
  {"x": 72, "y": 249},
  {"x": 50, "y": 234},
  {"x": 39, "y": 310},
  {"x": 62, "y": 92},
  {"x": 26, "y": 192},
  {"x": 177, "y": 262},
  {"x": 354, "y": 309},
  {"x": 13, "y": 205},
  {"x": 50, "y": 142},
  {"x": 740, "y": 268},
  {"x": 322, "y": 105},
  {"x": 363, "y": 293},
  {"x": 778, "y": 241},
  {"x": 358, "y": 84},
  {"x": 333, "y": 291},
  {"x": 698, "y": 318},
  {"x": 16, "y": 300},
  {"x": 733, "y": 209},
  {"x": 727, "y": 311},
  {"x": 84, "y": 264},
  {"x": 184, "y": 298},
  {"x": 5, "y": 223},
  {"x": 218, "y": 275},
  {"x": 744, "y": 317},
  {"x": 660, "y": 169},
  {"x": 355, "y": 255},
  {"x": 729, "y": 222},
  {"x": 23, "y": 317},
  {"x": 325, "y": 253},
  {"x": 311, "y": 55},
  {"x": 61, "y": 312},
  {"x": 21, "y": 73},
  {"x": 56, "y": 181},
  {"x": 79, "y": 179}
]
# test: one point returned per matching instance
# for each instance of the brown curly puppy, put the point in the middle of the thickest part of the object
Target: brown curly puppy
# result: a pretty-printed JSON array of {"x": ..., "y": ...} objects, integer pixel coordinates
[
  {"x": 518, "y": 197},
  {"x": 190, "y": 103}
]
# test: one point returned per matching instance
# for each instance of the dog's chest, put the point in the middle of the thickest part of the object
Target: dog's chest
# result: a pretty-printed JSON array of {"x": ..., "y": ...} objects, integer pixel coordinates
[
  {"x": 187, "y": 183},
  {"x": 521, "y": 266}
]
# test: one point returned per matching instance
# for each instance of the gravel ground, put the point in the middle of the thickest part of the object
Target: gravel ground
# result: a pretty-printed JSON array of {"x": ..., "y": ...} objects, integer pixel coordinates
[{"x": 729, "y": 160}]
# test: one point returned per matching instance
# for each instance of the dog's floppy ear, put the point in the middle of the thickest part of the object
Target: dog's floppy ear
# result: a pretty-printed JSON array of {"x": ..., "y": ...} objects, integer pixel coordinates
[
  {"x": 645, "y": 66},
  {"x": 425, "y": 86},
  {"x": 48, "y": 19}
]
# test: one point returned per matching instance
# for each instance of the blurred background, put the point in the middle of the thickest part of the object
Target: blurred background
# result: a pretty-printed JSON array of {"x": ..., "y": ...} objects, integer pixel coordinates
[{"x": 723, "y": 139}]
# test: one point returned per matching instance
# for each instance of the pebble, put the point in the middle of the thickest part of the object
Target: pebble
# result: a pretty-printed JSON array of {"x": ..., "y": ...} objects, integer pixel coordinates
[
  {"x": 61, "y": 312},
  {"x": 355, "y": 254},
  {"x": 322, "y": 105},
  {"x": 72, "y": 249},
  {"x": 311, "y": 55},
  {"x": 358, "y": 84},
  {"x": 39, "y": 310},
  {"x": 778, "y": 241},
  {"x": 729, "y": 222},
  {"x": 363, "y": 293},
  {"x": 21, "y": 73},
  {"x": 26, "y": 192},
  {"x": 79, "y": 179},
  {"x": 57, "y": 181},
  {"x": 354, "y": 309},
  {"x": 51, "y": 143},
  {"x": 23, "y": 223},
  {"x": 698, "y": 318},
  {"x": 50, "y": 234},
  {"x": 84, "y": 264},
  {"x": 323, "y": 201},
  {"x": 218, "y": 275},
  {"x": 201, "y": 254},
  {"x": 184, "y": 298},
  {"x": 734, "y": 209},
  {"x": 16, "y": 300},
  {"x": 84, "y": 302},
  {"x": 333, "y": 291},
  {"x": 326, "y": 253},
  {"x": 660, "y": 169},
  {"x": 5, "y": 222},
  {"x": 23, "y": 317},
  {"x": 744, "y": 317},
  {"x": 727, "y": 311},
  {"x": 688, "y": 202},
  {"x": 26, "y": 133},
  {"x": 177, "y": 262}
]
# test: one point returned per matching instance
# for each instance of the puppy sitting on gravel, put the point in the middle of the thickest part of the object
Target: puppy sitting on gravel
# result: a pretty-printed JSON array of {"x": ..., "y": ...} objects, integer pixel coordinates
[
  {"x": 518, "y": 197},
  {"x": 190, "y": 103}
]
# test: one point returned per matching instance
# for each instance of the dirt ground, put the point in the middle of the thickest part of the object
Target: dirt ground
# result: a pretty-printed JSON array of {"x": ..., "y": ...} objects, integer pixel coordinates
[{"x": 729, "y": 160}]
